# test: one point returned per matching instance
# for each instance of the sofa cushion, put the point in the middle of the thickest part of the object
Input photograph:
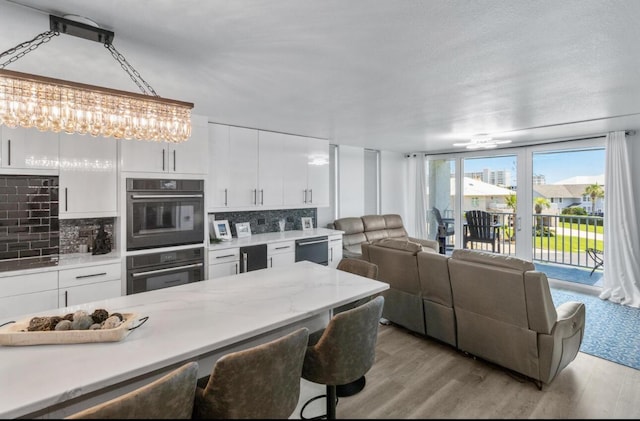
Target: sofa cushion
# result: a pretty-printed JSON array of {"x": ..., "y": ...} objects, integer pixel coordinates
[
  {"x": 373, "y": 236},
  {"x": 349, "y": 225},
  {"x": 373, "y": 222},
  {"x": 495, "y": 260},
  {"x": 399, "y": 244}
]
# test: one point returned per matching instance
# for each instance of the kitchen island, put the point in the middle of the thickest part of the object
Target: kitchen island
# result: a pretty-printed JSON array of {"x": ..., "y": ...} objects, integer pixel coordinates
[{"x": 200, "y": 321}]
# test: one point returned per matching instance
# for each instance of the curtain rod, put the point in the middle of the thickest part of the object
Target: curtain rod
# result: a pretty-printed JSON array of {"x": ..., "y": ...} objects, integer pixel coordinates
[{"x": 626, "y": 132}]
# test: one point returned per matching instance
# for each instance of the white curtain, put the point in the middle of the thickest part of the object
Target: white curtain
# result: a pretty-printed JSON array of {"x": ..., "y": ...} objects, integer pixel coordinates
[
  {"x": 416, "y": 223},
  {"x": 621, "y": 228},
  {"x": 421, "y": 198}
]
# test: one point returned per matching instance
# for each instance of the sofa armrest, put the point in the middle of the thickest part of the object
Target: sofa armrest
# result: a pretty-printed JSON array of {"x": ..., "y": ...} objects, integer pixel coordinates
[
  {"x": 571, "y": 318},
  {"x": 432, "y": 244}
]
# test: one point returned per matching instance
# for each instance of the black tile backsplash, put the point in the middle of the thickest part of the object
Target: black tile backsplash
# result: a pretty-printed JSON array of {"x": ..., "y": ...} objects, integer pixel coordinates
[
  {"x": 263, "y": 221},
  {"x": 28, "y": 216}
]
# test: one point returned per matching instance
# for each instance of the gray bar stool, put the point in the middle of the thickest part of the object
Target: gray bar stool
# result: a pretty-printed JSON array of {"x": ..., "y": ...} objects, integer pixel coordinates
[
  {"x": 262, "y": 382},
  {"x": 169, "y": 397},
  {"x": 342, "y": 352}
]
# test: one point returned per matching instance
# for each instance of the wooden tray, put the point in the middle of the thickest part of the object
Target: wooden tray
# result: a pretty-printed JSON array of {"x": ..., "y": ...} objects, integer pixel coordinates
[{"x": 16, "y": 334}]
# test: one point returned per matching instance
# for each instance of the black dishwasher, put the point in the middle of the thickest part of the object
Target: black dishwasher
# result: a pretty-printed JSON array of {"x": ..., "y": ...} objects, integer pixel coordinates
[
  {"x": 315, "y": 249},
  {"x": 253, "y": 257}
]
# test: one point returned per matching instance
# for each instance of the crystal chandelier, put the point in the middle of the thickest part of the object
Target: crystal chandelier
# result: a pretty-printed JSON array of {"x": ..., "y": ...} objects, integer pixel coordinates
[{"x": 56, "y": 105}]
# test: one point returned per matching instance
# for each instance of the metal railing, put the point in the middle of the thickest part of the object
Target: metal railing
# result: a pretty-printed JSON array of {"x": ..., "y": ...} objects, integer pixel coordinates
[{"x": 561, "y": 239}]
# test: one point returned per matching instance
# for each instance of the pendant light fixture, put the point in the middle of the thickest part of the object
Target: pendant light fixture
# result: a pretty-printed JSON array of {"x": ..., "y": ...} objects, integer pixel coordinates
[{"x": 48, "y": 104}]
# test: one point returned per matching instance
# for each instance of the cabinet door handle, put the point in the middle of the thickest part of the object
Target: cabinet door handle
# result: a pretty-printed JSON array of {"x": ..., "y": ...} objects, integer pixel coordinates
[
  {"x": 261, "y": 196},
  {"x": 225, "y": 197},
  {"x": 66, "y": 199},
  {"x": 270, "y": 262},
  {"x": 236, "y": 268},
  {"x": 282, "y": 248},
  {"x": 311, "y": 194},
  {"x": 66, "y": 298},
  {"x": 225, "y": 256},
  {"x": 91, "y": 276},
  {"x": 174, "y": 160},
  {"x": 9, "y": 152},
  {"x": 304, "y": 197},
  {"x": 245, "y": 261},
  {"x": 331, "y": 249},
  {"x": 255, "y": 196},
  {"x": 163, "y": 160}
]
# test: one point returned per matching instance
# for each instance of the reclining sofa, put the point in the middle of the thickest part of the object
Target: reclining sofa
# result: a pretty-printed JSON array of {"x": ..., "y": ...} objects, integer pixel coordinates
[
  {"x": 495, "y": 307},
  {"x": 369, "y": 228}
]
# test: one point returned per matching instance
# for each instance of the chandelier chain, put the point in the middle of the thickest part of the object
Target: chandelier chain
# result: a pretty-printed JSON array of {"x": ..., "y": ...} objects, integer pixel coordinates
[
  {"x": 129, "y": 69},
  {"x": 27, "y": 46}
]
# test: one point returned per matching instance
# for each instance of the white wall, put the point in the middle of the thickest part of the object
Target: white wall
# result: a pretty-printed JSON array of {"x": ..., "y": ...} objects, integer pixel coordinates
[
  {"x": 351, "y": 181},
  {"x": 393, "y": 189}
]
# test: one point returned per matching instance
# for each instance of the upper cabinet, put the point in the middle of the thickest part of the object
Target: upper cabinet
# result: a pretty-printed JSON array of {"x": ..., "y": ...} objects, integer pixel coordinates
[
  {"x": 306, "y": 175},
  {"x": 188, "y": 157},
  {"x": 88, "y": 176},
  {"x": 251, "y": 169},
  {"x": 28, "y": 149}
]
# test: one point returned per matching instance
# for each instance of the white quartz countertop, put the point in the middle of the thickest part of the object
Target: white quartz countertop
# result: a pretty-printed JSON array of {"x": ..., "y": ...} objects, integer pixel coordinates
[
  {"x": 273, "y": 237},
  {"x": 184, "y": 322},
  {"x": 64, "y": 261}
]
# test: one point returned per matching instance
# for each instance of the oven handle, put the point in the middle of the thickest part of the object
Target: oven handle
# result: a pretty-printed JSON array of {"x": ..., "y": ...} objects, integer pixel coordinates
[
  {"x": 165, "y": 196},
  {"x": 312, "y": 242},
  {"x": 153, "y": 272}
]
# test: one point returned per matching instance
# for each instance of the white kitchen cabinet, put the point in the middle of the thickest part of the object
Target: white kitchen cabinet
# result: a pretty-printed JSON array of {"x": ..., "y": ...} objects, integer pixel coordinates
[
  {"x": 306, "y": 175},
  {"x": 218, "y": 182},
  {"x": 271, "y": 165},
  {"x": 89, "y": 283},
  {"x": 88, "y": 176},
  {"x": 224, "y": 262},
  {"x": 335, "y": 249},
  {"x": 28, "y": 149},
  {"x": 318, "y": 172},
  {"x": 188, "y": 157},
  {"x": 281, "y": 253},
  {"x": 243, "y": 167},
  {"x": 30, "y": 293}
]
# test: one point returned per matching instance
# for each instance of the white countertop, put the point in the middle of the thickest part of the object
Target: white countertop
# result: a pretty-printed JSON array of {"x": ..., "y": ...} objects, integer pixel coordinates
[
  {"x": 273, "y": 237},
  {"x": 64, "y": 261},
  {"x": 184, "y": 322}
]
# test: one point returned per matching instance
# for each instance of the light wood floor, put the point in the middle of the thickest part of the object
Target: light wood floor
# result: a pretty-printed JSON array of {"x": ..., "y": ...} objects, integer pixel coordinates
[{"x": 416, "y": 377}]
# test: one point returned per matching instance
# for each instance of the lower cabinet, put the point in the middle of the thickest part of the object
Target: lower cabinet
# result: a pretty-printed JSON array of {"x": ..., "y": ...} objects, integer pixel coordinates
[
  {"x": 335, "y": 250},
  {"x": 42, "y": 291},
  {"x": 224, "y": 262},
  {"x": 281, "y": 253},
  {"x": 90, "y": 283}
]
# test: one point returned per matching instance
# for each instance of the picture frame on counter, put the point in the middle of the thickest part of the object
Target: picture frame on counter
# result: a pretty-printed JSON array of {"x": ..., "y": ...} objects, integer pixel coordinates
[
  {"x": 243, "y": 229},
  {"x": 221, "y": 229},
  {"x": 307, "y": 223}
]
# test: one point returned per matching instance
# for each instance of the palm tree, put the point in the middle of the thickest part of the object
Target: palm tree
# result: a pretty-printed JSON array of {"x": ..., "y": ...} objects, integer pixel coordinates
[
  {"x": 594, "y": 191},
  {"x": 511, "y": 201},
  {"x": 539, "y": 203}
]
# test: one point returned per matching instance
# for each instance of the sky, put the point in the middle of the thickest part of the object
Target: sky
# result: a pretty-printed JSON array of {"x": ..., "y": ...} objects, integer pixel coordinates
[{"x": 555, "y": 166}]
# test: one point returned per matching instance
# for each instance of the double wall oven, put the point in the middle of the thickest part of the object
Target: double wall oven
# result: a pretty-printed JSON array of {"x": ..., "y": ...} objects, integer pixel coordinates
[{"x": 164, "y": 213}]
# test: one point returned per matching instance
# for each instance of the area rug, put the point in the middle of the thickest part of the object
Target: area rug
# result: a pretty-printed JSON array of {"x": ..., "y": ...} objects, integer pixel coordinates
[
  {"x": 570, "y": 273},
  {"x": 612, "y": 331}
]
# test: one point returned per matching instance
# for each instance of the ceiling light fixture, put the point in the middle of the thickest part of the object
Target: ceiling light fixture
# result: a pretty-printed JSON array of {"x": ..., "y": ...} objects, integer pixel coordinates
[
  {"x": 48, "y": 104},
  {"x": 482, "y": 141}
]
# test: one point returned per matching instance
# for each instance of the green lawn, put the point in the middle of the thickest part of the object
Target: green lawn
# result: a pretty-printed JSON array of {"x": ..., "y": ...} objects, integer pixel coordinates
[
  {"x": 567, "y": 243},
  {"x": 582, "y": 227}
]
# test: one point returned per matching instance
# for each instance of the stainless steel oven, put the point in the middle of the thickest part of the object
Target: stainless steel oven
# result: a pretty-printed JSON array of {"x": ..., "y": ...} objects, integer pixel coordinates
[
  {"x": 162, "y": 213},
  {"x": 146, "y": 272}
]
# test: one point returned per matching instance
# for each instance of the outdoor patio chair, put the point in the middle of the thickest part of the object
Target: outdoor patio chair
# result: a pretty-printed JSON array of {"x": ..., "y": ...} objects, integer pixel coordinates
[
  {"x": 597, "y": 257},
  {"x": 480, "y": 228}
]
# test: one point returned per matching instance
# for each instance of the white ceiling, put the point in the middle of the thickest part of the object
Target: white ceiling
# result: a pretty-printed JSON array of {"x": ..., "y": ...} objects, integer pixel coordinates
[{"x": 384, "y": 74}]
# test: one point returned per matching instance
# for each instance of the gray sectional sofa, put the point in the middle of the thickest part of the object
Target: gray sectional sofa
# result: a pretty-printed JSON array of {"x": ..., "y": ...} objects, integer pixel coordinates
[{"x": 496, "y": 307}]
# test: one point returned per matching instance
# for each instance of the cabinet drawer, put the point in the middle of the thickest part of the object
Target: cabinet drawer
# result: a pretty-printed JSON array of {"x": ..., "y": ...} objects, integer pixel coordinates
[
  {"x": 224, "y": 256},
  {"x": 13, "y": 307},
  {"x": 281, "y": 247},
  {"x": 89, "y": 275},
  {"x": 26, "y": 284}
]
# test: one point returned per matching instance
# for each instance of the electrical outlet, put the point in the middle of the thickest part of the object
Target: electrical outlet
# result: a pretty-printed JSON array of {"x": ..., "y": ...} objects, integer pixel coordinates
[{"x": 261, "y": 221}]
